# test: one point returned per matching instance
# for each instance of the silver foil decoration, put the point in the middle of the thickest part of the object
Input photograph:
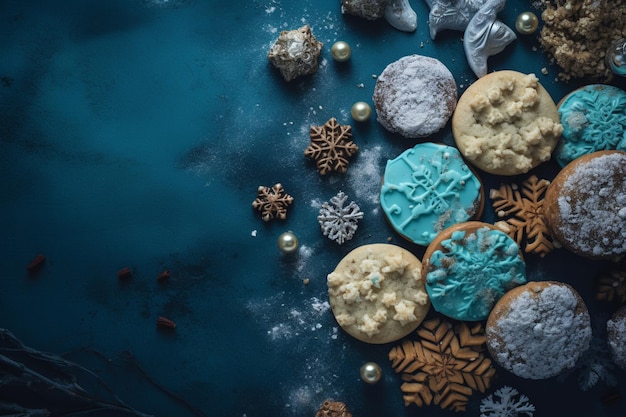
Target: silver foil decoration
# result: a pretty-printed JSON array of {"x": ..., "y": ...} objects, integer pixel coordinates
[
  {"x": 451, "y": 14},
  {"x": 401, "y": 16},
  {"x": 484, "y": 35}
]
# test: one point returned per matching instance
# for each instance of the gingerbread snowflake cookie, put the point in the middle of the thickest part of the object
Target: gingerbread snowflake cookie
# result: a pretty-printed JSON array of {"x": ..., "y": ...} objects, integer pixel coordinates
[
  {"x": 331, "y": 146},
  {"x": 272, "y": 202},
  {"x": 521, "y": 211},
  {"x": 444, "y": 366}
]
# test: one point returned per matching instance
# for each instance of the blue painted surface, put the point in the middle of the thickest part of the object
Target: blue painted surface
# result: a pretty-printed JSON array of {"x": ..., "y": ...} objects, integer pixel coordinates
[{"x": 135, "y": 134}]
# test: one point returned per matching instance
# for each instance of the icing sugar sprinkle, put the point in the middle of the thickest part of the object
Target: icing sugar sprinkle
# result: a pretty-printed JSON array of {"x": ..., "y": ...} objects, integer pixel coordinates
[
  {"x": 541, "y": 336},
  {"x": 594, "y": 221}
]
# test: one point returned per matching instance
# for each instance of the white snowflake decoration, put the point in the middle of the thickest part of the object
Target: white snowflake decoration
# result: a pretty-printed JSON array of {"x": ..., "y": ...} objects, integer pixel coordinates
[
  {"x": 506, "y": 405},
  {"x": 338, "y": 222}
]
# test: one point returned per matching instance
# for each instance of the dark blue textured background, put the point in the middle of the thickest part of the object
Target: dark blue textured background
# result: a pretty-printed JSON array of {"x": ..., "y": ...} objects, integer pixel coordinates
[{"x": 135, "y": 134}]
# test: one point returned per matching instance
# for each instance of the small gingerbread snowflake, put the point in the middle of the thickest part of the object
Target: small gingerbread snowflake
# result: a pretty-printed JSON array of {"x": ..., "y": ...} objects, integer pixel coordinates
[
  {"x": 523, "y": 210},
  {"x": 331, "y": 146},
  {"x": 272, "y": 202},
  {"x": 339, "y": 223}
]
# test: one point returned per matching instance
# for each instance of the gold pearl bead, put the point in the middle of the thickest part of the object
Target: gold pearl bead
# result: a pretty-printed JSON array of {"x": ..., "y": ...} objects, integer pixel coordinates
[
  {"x": 527, "y": 23},
  {"x": 361, "y": 111},
  {"x": 287, "y": 242},
  {"x": 340, "y": 51},
  {"x": 371, "y": 372}
]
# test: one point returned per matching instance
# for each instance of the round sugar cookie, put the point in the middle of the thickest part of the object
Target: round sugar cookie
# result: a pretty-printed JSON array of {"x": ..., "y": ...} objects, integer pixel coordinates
[
  {"x": 428, "y": 188},
  {"x": 506, "y": 123},
  {"x": 376, "y": 293},
  {"x": 539, "y": 329},
  {"x": 593, "y": 119},
  {"x": 415, "y": 96},
  {"x": 468, "y": 267},
  {"x": 585, "y": 205}
]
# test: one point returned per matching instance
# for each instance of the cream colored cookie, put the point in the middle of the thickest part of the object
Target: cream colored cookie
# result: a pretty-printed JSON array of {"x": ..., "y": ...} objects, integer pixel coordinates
[
  {"x": 506, "y": 123},
  {"x": 376, "y": 293},
  {"x": 539, "y": 329},
  {"x": 585, "y": 205}
]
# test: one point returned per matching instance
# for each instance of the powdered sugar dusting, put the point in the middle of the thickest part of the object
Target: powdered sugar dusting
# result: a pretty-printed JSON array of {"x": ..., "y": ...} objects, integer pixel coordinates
[
  {"x": 365, "y": 175},
  {"x": 298, "y": 331},
  {"x": 541, "y": 334},
  {"x": 415, "y": 96},
  {"x": 593, "y": 219}
]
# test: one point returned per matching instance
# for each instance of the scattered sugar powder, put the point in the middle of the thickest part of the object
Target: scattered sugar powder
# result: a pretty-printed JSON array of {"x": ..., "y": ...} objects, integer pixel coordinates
[
  {"x": 287, "y": 322},
  {"x": 304, "y": 334},
  {"x": 541, "y": 336},
  {"x": 594, "y": 220},
  {"x": 304, "y": 255},
  {"x": 365, "y": 175}
]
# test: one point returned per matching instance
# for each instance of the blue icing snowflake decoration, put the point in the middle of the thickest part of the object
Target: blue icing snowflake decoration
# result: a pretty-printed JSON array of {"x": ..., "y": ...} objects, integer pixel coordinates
[
  {"x": 593, "y": 119},
  {"x": 427, "y": 189},
  {"x": 472, "y": 272}
]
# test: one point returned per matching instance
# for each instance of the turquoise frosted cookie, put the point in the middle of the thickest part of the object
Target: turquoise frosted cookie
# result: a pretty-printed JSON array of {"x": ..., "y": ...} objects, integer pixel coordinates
[
  {"x": 593, "y": 119},
  {"x": 468, "y": 267},
  {"x": 427, "y": 189}
]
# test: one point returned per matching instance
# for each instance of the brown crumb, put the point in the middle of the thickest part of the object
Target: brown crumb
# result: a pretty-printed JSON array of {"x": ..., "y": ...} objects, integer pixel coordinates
[{"x": 577, "y": 33}]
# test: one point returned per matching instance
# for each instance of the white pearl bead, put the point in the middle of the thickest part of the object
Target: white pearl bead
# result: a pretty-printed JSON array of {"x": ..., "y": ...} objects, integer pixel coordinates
[
  {"x": 371, "y": 372},
  {"x": 287, "y": 242},
  {"x": 527, "y": 23},
  {"x": 361, "y": 111},
  {"x": 340, "y": 51}
]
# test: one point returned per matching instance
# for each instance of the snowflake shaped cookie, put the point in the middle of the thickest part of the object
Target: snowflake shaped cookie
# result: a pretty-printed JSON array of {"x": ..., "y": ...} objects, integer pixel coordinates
[
  {"x": 331, "y": 146},
  {"x": 339, "y": 223},
  {"x": 506, "y": 405},
  {"x": 523, "y": 210},
  {"x": 272, "y": 202},
  {"x": 444, "y": 366}
]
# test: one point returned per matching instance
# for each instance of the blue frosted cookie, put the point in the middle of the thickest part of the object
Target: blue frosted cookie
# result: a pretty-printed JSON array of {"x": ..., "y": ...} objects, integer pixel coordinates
[
  {"x": 468, "y": 267},
  {"x": 593, "y": 119},
  {"x": 427, "y": 189}
]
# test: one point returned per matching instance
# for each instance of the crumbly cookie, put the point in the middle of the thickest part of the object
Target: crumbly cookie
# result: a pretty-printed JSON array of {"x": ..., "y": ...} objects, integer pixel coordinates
[
  {"x": 295, "y": 53},
  {"x": 376, "y": 293},
  {"x": 506, "y": 123},
  {"x": 539, "y": 329},
  {"x": 593, "y": 119},
  {"x": 415, "y": 96},
  {"x": 428, "y": 188},
  {"x": 616, "y": 336},
  {"x": 367, "y": 9},
  {"x": 468, "y": 267},
  {"x": 585, "y": 205}
]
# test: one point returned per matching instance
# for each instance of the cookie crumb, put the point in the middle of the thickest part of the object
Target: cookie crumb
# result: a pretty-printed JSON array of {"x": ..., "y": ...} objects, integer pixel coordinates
[{"x": 577, "y": 34}]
